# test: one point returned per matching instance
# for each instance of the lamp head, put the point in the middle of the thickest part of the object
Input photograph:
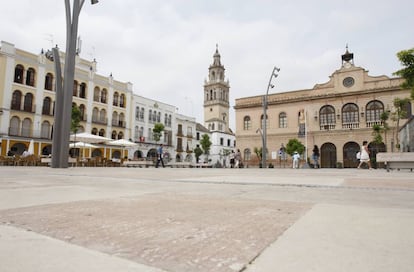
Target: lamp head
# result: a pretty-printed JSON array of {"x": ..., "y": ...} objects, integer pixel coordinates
[{"x": 93, "y": 2}]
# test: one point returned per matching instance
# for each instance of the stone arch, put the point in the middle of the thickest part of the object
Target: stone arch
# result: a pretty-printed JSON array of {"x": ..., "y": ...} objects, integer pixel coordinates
[{"x": 328, "y": 155}]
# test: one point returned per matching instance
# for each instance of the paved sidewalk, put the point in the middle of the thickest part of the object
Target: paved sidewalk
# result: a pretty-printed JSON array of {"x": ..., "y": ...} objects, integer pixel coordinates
[{"x": 185, "y": 220}]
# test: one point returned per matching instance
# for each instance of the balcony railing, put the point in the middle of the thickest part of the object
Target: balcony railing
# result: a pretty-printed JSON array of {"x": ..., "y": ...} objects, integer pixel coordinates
[
  {"x": 350, "y": 125},
  {"x": 26, "y": 108},
  {"x": 327, "y": 126},
  {"x": 121, "y": 124},
  {"x": 100, "y": 121},
  {"x": 372, "y": 123}
]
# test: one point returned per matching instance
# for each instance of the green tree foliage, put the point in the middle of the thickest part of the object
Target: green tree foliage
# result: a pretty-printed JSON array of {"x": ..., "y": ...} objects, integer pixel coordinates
[
  {"x": 294, "y": 145},
  {"x": 76, "y": 118},
  {"x": 400, "y": 105},
  {"x": 157, "y": 131},
  {"x": 198, "y": 152},
  {"x": 258, "y": 152},
  {"x": 205, "y": 143},
  {"x": 406, "y": 58}
]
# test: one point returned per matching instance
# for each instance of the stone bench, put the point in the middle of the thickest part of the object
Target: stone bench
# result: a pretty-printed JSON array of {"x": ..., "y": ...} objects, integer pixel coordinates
[
  {"x": 178, "y": 164},
  {"x": 140, "y": 164},
  {"x": 48, "y": 161},
  {"x": 397, "y": 160}
]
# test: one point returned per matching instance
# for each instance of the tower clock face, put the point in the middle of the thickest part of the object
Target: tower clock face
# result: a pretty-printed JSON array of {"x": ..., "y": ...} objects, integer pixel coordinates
[{"x": 348, "y": 81}]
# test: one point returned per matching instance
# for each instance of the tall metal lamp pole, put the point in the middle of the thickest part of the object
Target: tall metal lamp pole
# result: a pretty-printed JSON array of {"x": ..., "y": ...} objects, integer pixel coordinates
[
  {"x": 63, "y": 105},
  {"x": 269, "y": 86}
]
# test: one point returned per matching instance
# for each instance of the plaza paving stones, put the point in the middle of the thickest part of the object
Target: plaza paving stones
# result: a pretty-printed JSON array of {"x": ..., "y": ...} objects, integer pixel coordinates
[
  {"x": 173, "y": 232},
  {"x": 179, "y": 220}
]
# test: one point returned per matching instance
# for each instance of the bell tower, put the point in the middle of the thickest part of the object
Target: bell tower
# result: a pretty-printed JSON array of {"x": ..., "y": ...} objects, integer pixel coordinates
[{"x": 216, "y": 97}]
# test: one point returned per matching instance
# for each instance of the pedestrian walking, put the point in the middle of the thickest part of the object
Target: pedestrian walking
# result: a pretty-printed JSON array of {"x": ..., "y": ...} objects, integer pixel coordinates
[
  {"x": 315, "y": 156},
  {"x": 160, "y": 154},
  {"x": 237, "y": 159},
  {"x": 232, "y": 159},
  {"x": 364, "y": 155}
]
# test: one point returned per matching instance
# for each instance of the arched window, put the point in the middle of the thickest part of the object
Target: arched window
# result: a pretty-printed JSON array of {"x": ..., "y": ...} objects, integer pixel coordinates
[
  {"x": 120, "y": 135},
  {"x": 136, "y": 113},
  {"x": 211, "y": 94},
  {"x": 282, "y": 120},
  {"x": 28, "y": 102},
  {"x": 102, "y": 116},
  {"x": 14, "y": 126},
  {"x": 95, "y": 115},
  {"x": 159, "y": 117},
  {"x": 247, "y": 154},
  {"x": 96, "y": 94},
  {"x": 165, "y": 119},
  {"x": 75, "y": 88},
  {"x": 102, "y": 132},
  {"x": 122, "y": 101},
  {"x": 350, "y": 114},
  {"x": 26, "y": 127},
  {"x": 16, "y": 100},
  {"x": 150, "y": 116},
  {"x": 82, "y": 110},
  {"x": 327, "y": 117},
  {"x": 47, "y": 102},
  {"x": 262, "y": 121},
  {"x": 45, "y": 130},
  {"x": 247, "y": 123},
  {"x": 116, "y": 97},
  {"x": 113, "y": 135},
  {"x": 49, "y": 82},
  {"x": 121, "y": 121},
  {"x": 169, "y": 120},
  {"x": 30, "y": 77},
  {"x": 374, "y": 109},
  {"x": 94, "y": 131},
  {"x": 82, "y": 91},
  {"x": 136, "y": 133},
  {"x": 154, "y": 116},
  {"x": 115, "y": 118},
  {"x": 104, "y": 95},
  {"x": 141, "y": 114},
  {"x": 18, "y": 74}
]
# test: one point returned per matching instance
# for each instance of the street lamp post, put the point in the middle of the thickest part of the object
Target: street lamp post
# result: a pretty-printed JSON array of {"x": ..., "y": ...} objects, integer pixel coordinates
[
  {"x": 264, "y": 124},
  {"x": 64, "y": 92}
]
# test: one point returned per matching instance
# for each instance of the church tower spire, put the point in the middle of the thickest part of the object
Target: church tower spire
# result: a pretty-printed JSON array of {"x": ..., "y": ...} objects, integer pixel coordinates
[{"x": 216, "y": 97}]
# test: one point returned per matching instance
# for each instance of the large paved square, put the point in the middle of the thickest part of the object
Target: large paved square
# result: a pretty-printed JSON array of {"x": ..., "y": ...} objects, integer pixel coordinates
[{"x": 174, "y": 232}]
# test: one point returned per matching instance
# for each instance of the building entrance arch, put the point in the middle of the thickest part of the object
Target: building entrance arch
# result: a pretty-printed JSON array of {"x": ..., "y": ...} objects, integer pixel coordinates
[
  {"x": 328, "y": 155},
  {"x": 349, "y": 151}
]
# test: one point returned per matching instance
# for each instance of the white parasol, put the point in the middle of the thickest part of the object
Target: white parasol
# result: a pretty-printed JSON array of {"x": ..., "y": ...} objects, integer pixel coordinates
[
  {"x": 31, "y": 147},
  {"x": 88, "y": 138},
  {"x": 122, "y": 143}
]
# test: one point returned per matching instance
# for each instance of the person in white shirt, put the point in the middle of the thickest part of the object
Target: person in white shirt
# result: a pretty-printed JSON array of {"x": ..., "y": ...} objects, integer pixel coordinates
[{"x": 296, "y": 158}]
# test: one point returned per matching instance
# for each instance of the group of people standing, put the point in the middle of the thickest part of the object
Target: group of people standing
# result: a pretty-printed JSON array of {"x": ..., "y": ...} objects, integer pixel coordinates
[{"x": 235, "y": 159}]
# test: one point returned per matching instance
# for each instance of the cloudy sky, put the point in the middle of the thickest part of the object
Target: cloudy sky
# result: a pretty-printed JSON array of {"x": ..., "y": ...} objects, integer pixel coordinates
[{"x": 165, "y": 47}]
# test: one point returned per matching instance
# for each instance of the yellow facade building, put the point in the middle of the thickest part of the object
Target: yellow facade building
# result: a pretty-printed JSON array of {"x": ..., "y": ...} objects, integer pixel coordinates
[
  {"x": 337, "y": 116},
  {"x": 27, "y": 98}
]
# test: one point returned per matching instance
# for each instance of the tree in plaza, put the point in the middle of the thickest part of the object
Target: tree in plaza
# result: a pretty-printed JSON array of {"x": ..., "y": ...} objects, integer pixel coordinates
[
  {"x": 258, "y": 152},
  {"x": 205, "y": 144},
  {"x": 379, "y": 129},
  {"x": 294, "y": 145},
  {"x": 400, "y": 112},
  {"x": 198, "y": 152},
  {"x": 76, "y": 118},
  {"x": 157, "y": 131},
  {"x": 406, "y": 58}
]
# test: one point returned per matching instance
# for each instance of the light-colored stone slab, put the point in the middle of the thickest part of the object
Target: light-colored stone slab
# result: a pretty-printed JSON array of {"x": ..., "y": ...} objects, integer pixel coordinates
[{"x": 342, "y": 239}]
